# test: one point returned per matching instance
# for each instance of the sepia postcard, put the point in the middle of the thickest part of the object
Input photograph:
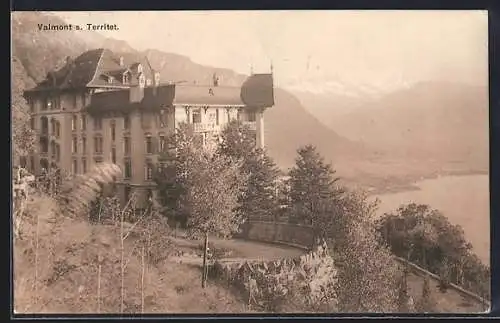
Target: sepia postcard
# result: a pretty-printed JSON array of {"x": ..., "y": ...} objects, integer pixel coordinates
[{"x": 250, "y": 162}]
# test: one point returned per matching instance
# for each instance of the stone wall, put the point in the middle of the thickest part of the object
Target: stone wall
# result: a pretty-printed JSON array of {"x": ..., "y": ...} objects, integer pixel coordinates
[
  {"x": 305, "y": 283},
  {"x": 302, "y": 236},
  {"x": 278, "y": 232}
]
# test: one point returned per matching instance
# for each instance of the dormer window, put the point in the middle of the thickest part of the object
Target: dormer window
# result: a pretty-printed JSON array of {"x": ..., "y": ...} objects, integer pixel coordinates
[
  {"x": 139, "y": 68},
  {"x": 157, "y": 78},
  {"x": 121, "y": 61},
  {"x": 110, "y": 79},
  {"x": 142, "y": 80},
  {"x": 125, "y": 78}
]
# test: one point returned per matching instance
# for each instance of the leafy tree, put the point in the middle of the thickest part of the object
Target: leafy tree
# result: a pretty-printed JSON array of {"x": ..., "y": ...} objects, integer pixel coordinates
[
  {"x": 236, "y": 141},
  {"x": 258, "y": 199},
  {"x": 432, "y": 242},
  {"x": 367, "y": 273},
  {"x": 212, "y": 196},
  {"x": 23, "y": 138},
  {"x": 198, "y": 188},
  {"x": 312, "y": 184}
]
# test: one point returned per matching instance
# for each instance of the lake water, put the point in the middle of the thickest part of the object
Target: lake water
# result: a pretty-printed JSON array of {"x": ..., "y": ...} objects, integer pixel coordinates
[{"x": 463, "y": 199}]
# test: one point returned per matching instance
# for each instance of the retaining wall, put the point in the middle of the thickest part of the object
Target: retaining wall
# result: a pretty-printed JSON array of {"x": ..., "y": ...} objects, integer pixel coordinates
[{"x": 302, "y": 236}]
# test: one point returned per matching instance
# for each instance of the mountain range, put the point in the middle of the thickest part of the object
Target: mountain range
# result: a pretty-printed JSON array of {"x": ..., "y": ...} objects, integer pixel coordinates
[{"x": 363, "y": 151}]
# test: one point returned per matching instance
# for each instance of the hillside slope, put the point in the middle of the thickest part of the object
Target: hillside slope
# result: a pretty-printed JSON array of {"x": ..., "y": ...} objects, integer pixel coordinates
[
  {"x": 288, "y": 124},
  {"x": 444, "y": 123}
]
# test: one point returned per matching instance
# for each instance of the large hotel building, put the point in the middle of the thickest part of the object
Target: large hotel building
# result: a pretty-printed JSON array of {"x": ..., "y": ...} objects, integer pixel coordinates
[{"x": 103, "y": 106}]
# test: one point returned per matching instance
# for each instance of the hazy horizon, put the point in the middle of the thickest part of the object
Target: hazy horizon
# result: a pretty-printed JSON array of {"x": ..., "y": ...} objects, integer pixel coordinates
[{"x": 372, "y": 51}]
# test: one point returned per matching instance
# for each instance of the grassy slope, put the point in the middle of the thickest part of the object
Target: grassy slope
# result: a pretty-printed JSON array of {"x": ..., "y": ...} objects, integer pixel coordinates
[{"x": 67, "y": 272}]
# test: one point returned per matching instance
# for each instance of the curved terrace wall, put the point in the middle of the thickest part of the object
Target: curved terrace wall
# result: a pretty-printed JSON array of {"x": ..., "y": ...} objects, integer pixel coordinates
[{"x": 301, "y": 236}]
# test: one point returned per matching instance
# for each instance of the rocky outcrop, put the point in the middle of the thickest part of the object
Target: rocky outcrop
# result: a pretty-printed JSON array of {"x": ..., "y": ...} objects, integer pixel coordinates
[{"x": 305, "y": 283}]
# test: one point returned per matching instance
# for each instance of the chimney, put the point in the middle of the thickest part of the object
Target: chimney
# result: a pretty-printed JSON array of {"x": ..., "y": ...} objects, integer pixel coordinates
[{"x": 121, "y": 61}]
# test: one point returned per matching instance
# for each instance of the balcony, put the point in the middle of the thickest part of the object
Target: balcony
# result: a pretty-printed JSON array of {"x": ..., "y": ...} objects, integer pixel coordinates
[
  {"x": 252, "y": 125},
  {"x": 205, "y": 127}
]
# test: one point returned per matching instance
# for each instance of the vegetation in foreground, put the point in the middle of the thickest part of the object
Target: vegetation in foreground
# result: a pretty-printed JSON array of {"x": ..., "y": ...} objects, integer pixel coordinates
[{"x": 121, "y": 273}]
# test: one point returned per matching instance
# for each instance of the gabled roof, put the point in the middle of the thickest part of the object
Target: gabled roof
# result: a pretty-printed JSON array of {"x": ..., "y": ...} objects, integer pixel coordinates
[{"x": 88, "y": 68}]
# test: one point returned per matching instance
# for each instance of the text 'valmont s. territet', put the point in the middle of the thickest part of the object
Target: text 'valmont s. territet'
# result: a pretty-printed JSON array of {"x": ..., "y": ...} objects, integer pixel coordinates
[{"x": 73, "y": 27}]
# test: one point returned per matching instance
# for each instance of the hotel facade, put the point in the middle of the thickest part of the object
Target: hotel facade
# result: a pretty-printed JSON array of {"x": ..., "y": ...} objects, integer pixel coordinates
[{"x": 103, "y": 106}]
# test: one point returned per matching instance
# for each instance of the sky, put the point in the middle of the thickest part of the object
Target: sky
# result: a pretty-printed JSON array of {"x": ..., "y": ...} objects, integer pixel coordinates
[{"x": 317, "y": 51}]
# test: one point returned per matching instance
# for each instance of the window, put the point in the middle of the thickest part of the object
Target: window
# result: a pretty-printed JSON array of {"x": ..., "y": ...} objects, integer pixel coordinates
[
  {"x": 217, "y": 116},
  {"x": 113, "y": 155},
  {"x": 126, "y": 121},
  {"x": 75, "y": 101},
  {"x": 127, "y": 172},
  {"x": 125, "y": 78},
  {"x": 162, "y": 143},
  {"x": 196, "y": 116},
  {"x": 139, "y": 69},
  {"x": 32, "y": 105},
  {"x": 53, "y": 126},
  {"x": 33, "y": 123},
  {"x": 32, "y": 164},
  {"x": 58, "y": 153},
  {"x": 98, "y": 160},
  {"x": 113, "y": 130},
  {"x": 148, "y": 171},
  {"x": 75, "y": 166},
  {"x": 97, "y": 123},
  {"x": 126, "y": 193},
  {"x": 252, "y": 117},
  {"x": 110, "y": 79},
  {"x": 163, "y": 119},
  {"x": 98, "y": 145},
  {"x": 47, "y": 104},
  {"x": 84, "y": 165},
  {"x": 74, "y": 145},
  {"x": 83, "y": 122},
  {"x": 53, "y": 149},
  {"x": 84, "y": 145},
  {"x": 74, "y": 121},
  {"x": 148, "y": 82},
  {"x": 45, "y": 125},
  {"x": 149, "y": 145},
  {"x": 58, "y": 129},
  {"x": 127, "y": 146}
]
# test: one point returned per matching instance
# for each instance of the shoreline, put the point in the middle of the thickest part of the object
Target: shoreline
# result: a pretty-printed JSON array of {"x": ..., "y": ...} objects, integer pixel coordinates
[{"x": 411, "y": 184}]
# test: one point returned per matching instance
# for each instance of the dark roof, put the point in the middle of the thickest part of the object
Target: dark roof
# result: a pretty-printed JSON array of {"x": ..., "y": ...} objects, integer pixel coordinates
[
  {"x": 202, "y": 95},
  {"x": 93, "y": 68},
  {"x": 256, "y": 91},
  {"x": 119, "y": 100}
]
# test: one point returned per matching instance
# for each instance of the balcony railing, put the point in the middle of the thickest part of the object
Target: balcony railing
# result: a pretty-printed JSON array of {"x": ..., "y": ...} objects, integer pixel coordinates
[
  {"x": 252, "y": 125},
  {"x": 205, "y": 127}
]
